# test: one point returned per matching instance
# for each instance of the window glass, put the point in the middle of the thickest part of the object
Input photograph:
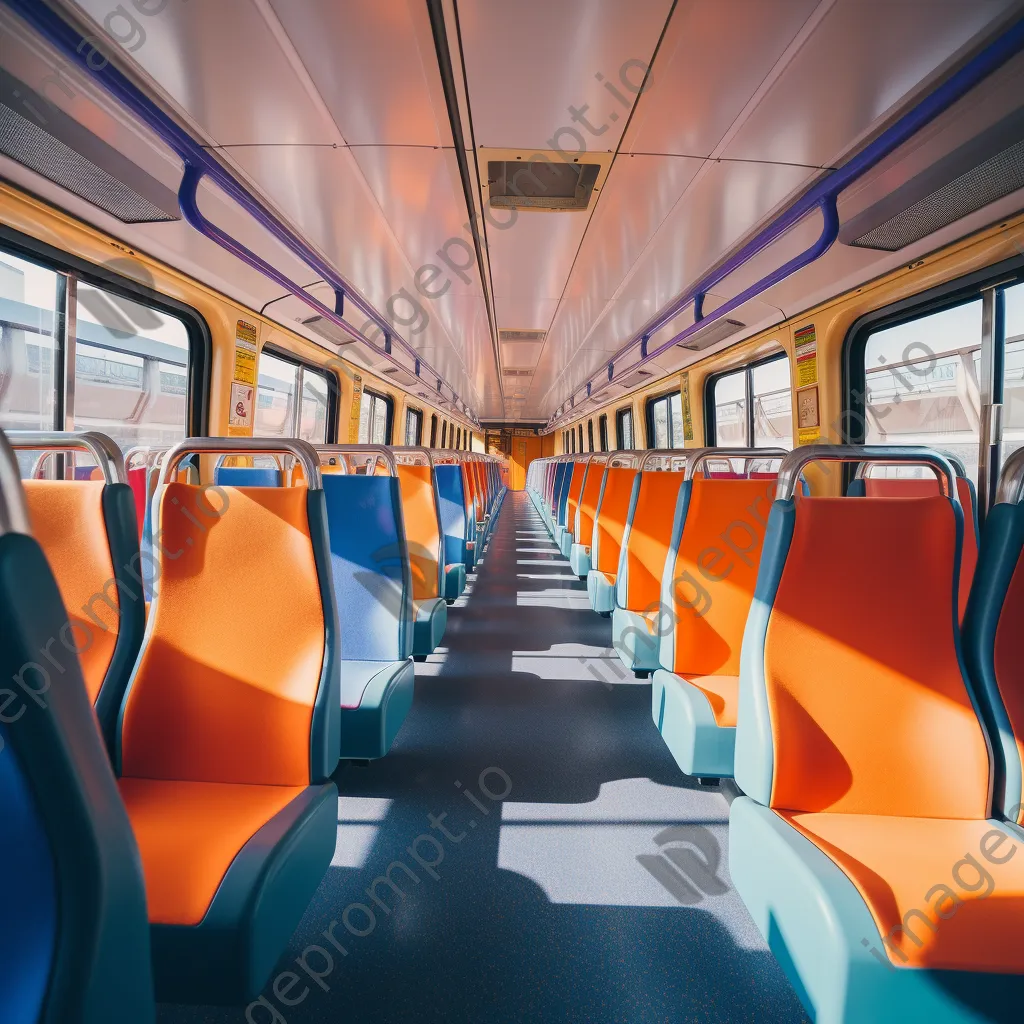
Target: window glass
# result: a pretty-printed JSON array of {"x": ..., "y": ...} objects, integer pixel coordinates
[
  {"x": 590, "y": 435},
  {"x": 413, "y": 426},
  {"x": 602, "y": 427},
  {"x": 131, "y": 370},
  {"x": 28, "y": 381},
  {"x": 315, "y": 398},
  {"x": 275, "y": 397},
  {"x": 773, "y": 404},
  {"x": 922, "y": 384},
  {"x": 433, "y": 431},
  {"x": 731, "y": 410},
  {"x": 624, "y": 428},
  {"x": 444, "y": 433},
  {"x": 373, "y": 419},
  {"x": 665, "y": 421},
  {"x": 1013, "y": 371}
]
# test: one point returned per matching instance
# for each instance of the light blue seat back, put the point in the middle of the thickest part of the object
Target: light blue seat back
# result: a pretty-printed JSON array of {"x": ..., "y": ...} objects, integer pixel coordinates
[
  {"x": 370, "y": 564},
  {"x": 452, "y": 506},
  {"x": 563, "y": 492}
]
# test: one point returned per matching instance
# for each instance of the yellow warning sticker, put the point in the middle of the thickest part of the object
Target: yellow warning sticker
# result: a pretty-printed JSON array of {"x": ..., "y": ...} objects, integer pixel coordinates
[
  {"x": 808, "y": 435},
  {"x": 806, "y": 342},
  {"x": 246, "y": 339},
  {"x": 684, "y": 390}
]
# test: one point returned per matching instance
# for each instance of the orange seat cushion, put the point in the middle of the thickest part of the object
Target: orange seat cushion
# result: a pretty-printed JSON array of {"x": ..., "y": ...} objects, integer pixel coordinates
[
  {"x": 188, "y": 835},
  {"x": 67, "y": 521},
  {"x": 723, "y": 694},
  {"x": 610, "y": 524},
  {"x": 936, "y": 908}
]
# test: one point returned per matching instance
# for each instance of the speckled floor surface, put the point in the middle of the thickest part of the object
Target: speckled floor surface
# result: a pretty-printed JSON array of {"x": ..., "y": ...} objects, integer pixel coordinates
[{"x": 561, "y": 883}]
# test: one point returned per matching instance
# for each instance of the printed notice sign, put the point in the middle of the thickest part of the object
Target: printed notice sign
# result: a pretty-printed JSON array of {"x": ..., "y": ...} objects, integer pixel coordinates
[
  {"x": 246, "y": 338},
  {"x": 357, "y": 401},
  {"x": 807, "y": 408},
  {"x": 806, "y": 342},
  {"x": 684, "y": 390},
  {"x": 240, "y": 414}
]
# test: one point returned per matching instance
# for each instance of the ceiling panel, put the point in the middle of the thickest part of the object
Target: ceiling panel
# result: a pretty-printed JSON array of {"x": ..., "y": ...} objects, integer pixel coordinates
[
  {"x": 700, "y": 87},
  {"x": 861, "y": 61},
  {"x": 375, "y": 67},
  {"x": 219, "y": 62},
  {"x": 528, "y": 64}
]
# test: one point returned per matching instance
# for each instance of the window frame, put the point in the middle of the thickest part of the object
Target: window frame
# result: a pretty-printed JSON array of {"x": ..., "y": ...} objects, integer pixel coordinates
[
  {"x": 620, "y": 415},
  {"x": 333, "y": 388},
  {"x": 71, "y": 267},
  {"x": 664, "y": 396},
  {"x": 958, "y": 292},
  {"x": 411, "y": 410},
  {"x": 389, "y": 418},
  {"x": 711, "y": 381}
]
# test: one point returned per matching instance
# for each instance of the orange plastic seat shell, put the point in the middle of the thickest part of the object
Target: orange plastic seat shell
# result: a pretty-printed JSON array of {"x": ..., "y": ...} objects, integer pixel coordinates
[
  {"x": 579, "y": 472},
  {"x": 201, "y": 824},
  {"x": 723, "y": 694},
  {"x": 610, "y": 524},
  {"x": 650, "y": 534},
  {"x": 228, "y": 675},
  {"x": 865, "y": 690},
  {"x": 422, "y": 532},
  {"x": 588, "y": 504},
  {"x": 67, "y": 521}
]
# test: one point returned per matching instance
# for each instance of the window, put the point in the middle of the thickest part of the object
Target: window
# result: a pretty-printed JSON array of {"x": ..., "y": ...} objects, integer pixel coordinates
[
  {"x": 580, "y": 431},
  {"x": 413, "y": 427},
  {"x": 751, "y": 407},
  {"x": 433, "y": 430},
  {"x": 444, "y": 433},
  {"x": 127, "y": 363},
  {"x": 375, "y": 415},
  {"x": 458, "y": 438},
  {"x": 665, "y": 421},
  {"x": 572, "y": 439},
  {"x": 279, "y": 381},
  {"x": 624, "y": 429},
  {"x": 590, "y": 435},
  {"x": 602, "y": 430},
  {"x": 928, "y": 372}
]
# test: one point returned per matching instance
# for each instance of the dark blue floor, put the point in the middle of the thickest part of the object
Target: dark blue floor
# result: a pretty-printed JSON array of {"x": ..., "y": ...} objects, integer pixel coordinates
[{"x": 576, "y": 897}]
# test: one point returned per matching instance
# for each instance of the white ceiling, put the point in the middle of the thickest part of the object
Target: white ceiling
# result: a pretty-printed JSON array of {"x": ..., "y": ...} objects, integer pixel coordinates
[{"x": 334, "y": 112}]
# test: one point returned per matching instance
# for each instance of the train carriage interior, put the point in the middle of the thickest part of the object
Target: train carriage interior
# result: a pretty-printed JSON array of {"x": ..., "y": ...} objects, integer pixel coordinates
[{"x": 511, "y": 511}]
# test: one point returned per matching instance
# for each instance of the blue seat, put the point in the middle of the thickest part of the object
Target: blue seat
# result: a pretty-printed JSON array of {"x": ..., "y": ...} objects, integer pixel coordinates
[
  {"x": 455, "y": 526},
  {"x": 373, "y": 587},
  {"x": 74, "y": 933}
]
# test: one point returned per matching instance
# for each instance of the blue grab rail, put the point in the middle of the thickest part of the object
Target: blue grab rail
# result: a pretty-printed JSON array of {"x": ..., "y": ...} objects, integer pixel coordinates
[
  {"x": 823, "y": 196},
  {"x": 82, "y": 52}
]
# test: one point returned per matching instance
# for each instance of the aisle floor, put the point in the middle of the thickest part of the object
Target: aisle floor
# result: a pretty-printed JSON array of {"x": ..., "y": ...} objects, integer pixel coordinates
[{"x": 562, "y": 882}]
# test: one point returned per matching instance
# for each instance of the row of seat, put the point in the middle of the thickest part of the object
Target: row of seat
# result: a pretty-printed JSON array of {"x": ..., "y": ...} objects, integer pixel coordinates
[
  {"x": 277, "y": 641},
  {"x": 812, "y": 648}
]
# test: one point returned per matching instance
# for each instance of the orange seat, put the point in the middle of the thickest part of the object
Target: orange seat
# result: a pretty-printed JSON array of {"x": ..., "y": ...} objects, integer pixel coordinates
[
  {"x": 88, "y": 532},
  {"x": 426, "y": 554},
  {"x": 609, "y": 528},
  {"x": 865, "y": 834},
  {"x": 230, "y": 731},
  {"x": 645, "y": 550}
]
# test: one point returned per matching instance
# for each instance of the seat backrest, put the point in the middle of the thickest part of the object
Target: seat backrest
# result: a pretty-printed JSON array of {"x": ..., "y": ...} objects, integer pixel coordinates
[
  {"x": 561, "y": 469},
  {"x": 711, "y": 573},
  {"x": 579, "y": 474},
  {"x": 646, "y": 542},
  {"x": 583, "y": 527},
  {"x": 370, "y": 566},
  {"x": 238, "y": 678},
  {"x": 563, "y": 493},
  {"x": 138, "y": 481},
  {"x": 422, "y": 530},
  {"x": 87, "y": 530},
  {"x": 994, "y": 648},
  {"x": 927, "y": 487},
  {"x": 74, "y": 932},
  {"x": 613, "y": 511},
  {"x": 852, "y": 694},
  {"x": 452, "y": 507},
  {"x": 469, "y": 486}
]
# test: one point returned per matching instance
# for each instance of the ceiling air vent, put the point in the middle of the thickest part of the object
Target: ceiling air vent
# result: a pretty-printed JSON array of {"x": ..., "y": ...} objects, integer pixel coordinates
[
  {"x": 38, "y": 135},
  {"x": 400, "y": 376},
  {"x": 509, "y": 335},
  {"x": 715, "y": 332},
  {"x": 634, "y": 379},
  {"x": 328, "y": 330},
  {"x": 540, "y": 184},
  {"x": 518, "y": 373},
  {"x": 981, "y": 171}
]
